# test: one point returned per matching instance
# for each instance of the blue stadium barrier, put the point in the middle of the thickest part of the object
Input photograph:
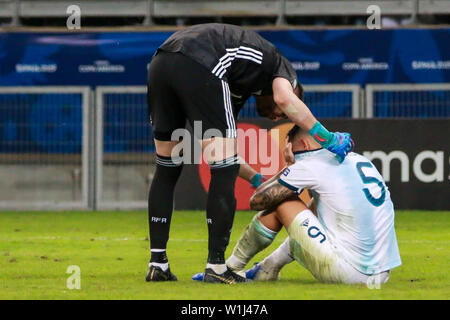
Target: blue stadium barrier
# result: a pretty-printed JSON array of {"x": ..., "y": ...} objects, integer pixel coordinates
[
  {"x": 412, "y": 104},
  {"x": 48, "y": 122},
  {"x": 126, "y": 125},
  {"x": 408, "y": 100},
  {"x": 40, "y": 122},
  {"x": 322, "y": 105}
]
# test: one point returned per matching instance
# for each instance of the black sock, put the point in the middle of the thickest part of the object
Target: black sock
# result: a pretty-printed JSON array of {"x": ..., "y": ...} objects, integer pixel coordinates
[
  {"x": 160, "y": 202},
  {"x": 221, "y": 206}
]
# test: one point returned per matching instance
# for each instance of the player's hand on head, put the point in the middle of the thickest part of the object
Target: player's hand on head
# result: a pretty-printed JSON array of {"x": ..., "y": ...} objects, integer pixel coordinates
[{"x": 341, "y": 145}]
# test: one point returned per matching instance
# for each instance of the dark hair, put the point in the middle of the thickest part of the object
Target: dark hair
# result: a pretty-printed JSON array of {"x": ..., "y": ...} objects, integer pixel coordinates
[
  {"x": 293, "y": 133},
  {"x": 265, "y": 105}
]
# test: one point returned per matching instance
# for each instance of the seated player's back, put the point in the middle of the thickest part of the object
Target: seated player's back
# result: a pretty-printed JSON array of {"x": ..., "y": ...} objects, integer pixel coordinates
[{"x": 353, "y": 205}]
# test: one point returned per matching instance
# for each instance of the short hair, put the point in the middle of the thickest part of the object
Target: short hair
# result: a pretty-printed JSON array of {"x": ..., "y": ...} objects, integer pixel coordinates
[
  {"x": 264, "y": 106},
  {"x": 295, "y": 132}
]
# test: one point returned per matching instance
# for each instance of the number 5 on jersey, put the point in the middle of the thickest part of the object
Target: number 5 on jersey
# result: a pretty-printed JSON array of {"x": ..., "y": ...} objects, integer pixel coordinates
[{"x": 366, "y": 180}]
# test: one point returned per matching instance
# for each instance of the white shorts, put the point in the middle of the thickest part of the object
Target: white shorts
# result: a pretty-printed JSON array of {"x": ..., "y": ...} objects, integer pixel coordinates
[{"x": 313, "y": 249}]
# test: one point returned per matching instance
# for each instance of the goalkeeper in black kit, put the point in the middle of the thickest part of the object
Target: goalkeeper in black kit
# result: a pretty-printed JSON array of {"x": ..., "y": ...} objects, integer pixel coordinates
[{"x": 206, "y": 73}]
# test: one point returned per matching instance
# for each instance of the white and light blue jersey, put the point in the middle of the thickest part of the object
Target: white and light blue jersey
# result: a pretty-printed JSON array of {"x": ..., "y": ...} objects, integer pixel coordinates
[{"x": 353, "y": 205}]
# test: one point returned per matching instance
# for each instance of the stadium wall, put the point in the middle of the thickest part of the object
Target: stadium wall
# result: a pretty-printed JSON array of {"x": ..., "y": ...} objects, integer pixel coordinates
[
  {"x": 74, "y": 125},
  {"x": 320, "y": 56},
  {"x": 414, "y": 165}
]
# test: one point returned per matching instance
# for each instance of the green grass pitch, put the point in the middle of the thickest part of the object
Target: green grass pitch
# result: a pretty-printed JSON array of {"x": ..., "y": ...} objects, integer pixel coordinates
[{"x": 111, "y": 248}]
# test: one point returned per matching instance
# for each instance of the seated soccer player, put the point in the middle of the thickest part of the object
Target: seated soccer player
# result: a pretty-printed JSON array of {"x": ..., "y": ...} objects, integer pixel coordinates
[{"x": 351, "y": 240}]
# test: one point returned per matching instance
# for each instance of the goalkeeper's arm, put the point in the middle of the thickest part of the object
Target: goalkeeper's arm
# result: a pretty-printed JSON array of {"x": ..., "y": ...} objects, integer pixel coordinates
[{"x": 251, "y": 175}]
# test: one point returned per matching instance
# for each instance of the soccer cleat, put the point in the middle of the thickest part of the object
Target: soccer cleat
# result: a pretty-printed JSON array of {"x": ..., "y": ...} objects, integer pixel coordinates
[
  {"x": 157, "y": 274},
  {"x": 252, "y": 272},
  {"x": 198, "y": 276},
  {"x": 258, "y": 273},
  {"x": 228, "y": 277}
]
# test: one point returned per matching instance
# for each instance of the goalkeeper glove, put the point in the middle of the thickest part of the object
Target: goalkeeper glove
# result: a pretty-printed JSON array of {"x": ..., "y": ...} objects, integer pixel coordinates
[
  {"x": 257, "y": 180},
  {"x": 338, "y": 143}
]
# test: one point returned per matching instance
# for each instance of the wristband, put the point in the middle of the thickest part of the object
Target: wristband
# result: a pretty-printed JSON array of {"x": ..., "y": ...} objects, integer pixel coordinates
[
  {"x": 256, "y": 180},
  {"x": 321, "y": 134}
]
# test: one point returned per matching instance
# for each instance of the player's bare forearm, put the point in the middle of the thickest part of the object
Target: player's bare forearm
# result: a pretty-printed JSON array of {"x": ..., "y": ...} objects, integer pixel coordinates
[
  {"x": 270, "y": 194},
  {"x": 269, "y": 181},
  {"x": 294, "y": 108},
  {"x": 245, "y": 171},
  {"x": 271, "y": 197},
  {"x": 251, "y": 175}
]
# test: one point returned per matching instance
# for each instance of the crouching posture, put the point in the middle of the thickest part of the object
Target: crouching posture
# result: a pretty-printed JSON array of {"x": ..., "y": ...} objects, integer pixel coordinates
[{"x": 351, "y": 238}]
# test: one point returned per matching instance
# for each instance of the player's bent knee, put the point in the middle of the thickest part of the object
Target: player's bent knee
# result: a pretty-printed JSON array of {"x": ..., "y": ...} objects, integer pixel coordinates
[
  {"x": 218, "y": 149},
  {"x": 296, "y": 205},
  {"x": 288, "y": 210},
  {"x": 164, "y": 148}
]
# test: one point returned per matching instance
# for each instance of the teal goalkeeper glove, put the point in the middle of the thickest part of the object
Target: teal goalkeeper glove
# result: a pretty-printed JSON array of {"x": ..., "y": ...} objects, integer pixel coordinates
[
  {"x": 257, "y": 180},
  {"x": 338, "y": 143}
]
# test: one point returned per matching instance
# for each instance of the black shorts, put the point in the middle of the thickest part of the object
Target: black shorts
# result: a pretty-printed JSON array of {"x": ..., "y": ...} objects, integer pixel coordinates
[{"x": 181, "y": 89}]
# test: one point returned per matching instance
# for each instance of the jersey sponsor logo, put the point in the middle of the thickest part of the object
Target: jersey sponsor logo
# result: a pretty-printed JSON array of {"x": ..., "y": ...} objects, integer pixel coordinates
[
  {"x": 305, "y": 222},
  {"x": 286, "y": 172},
  {"x": 159, "y": 220}
]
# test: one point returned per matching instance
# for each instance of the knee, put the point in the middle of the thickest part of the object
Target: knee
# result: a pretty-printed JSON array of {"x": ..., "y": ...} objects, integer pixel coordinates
[
  {"x": 287, "y": 207},
  {"x": 165, "y": 148},
  {"x": 217, "y": 149}
]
